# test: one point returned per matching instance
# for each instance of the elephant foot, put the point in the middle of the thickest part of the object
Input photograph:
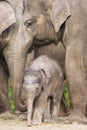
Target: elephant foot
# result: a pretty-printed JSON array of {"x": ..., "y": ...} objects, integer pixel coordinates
[
  {"x": 46, "y": 117},
  {"x": 36, "y": 122},
  {"x": 2, "y": 110},
  {"x": 29, "y": 125},
  {"x": 77, "y": 117},
  {"x": 46, "y": 120}
]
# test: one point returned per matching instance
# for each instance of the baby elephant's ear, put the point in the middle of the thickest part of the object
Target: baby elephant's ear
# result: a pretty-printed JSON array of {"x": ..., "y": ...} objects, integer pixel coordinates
[
  {"x": 7, "y": 16},
  {"x": 45, "y": 80}
]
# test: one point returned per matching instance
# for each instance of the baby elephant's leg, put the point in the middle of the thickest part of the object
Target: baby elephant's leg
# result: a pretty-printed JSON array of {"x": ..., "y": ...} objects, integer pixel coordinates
[
  {"x": 40, "y": 105},
  {"x": 57, "y": 99},
  {"x": 55, "y": 106},
  {"x": 47, "y": 112}
]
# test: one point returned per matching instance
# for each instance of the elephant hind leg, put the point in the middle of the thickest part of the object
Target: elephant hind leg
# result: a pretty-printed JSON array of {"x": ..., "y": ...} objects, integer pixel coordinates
[
  {"x": 47, "y": 112},
  {"x": 77, "y": 82}
]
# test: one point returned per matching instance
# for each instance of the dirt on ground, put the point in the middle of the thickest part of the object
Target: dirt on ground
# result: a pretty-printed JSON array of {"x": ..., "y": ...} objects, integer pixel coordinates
[{"x": 17, "y": 122}]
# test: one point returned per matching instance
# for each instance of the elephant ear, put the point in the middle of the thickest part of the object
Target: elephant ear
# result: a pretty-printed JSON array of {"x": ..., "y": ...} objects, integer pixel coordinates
[
  {"x": 44, "y": 79},
  {"x": 58, "y": 11},
  {"x": 7, "y": 16}
]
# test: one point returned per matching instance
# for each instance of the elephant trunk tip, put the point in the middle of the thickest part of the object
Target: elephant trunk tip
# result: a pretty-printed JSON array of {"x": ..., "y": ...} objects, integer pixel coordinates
[{"x": 19, "y": 105}]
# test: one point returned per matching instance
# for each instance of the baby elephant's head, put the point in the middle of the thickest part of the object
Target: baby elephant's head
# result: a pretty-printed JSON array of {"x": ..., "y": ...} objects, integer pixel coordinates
[{"x": 33, "y": 82}]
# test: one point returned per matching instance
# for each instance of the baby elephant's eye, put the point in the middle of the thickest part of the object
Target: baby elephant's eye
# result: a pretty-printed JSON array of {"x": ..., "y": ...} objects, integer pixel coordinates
[{"x": 29, "y": 23}]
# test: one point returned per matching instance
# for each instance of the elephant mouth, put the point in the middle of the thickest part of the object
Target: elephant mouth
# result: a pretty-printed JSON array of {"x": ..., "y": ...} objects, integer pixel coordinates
[{"x": 40, "y": 43}]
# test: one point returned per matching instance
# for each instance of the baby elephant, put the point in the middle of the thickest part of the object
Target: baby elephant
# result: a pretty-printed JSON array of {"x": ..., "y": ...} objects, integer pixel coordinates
[{"x": 43, "y": 80}]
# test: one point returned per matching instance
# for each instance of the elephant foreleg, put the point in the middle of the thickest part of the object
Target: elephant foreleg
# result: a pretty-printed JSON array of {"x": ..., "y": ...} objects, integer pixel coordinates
[
  {"x": 4, "y": 101},
  {"x": 77, "y": 81},
  {"x": 47, "y": 111},
  {"x": 40, "y": 106}
]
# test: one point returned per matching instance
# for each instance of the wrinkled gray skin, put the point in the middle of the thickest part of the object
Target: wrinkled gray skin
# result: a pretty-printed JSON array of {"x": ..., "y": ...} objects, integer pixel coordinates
[
  {"x": 66, "y": 21},
  {"x": 58, "y": 54},
  {"x": 42, "y": 80},
  {"x": 44, "y": 21},
  {"x": 14, "y": 45}
]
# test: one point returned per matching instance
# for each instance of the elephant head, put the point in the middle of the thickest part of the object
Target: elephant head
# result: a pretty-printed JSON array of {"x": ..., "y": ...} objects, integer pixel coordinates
[
  {"x": 32, "y": 82},
  {"x": 44, "y": 19}
]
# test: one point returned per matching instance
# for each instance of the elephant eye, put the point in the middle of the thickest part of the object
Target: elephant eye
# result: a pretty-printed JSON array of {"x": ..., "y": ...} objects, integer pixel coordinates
[{"x": 29, "y": 23}]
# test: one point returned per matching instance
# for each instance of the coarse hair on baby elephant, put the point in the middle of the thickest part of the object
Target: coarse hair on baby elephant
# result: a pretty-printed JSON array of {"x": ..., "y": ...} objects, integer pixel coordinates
[{"x": 43, "y": 82}]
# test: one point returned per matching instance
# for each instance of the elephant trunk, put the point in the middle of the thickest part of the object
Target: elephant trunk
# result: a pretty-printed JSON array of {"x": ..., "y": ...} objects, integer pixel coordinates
[
  {"x": 15, "y": 59},
  {"x": 17, "y": 86}
]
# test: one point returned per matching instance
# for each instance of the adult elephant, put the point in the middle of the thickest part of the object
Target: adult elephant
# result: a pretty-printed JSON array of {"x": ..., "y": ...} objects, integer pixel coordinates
[
  {"x": 57, "y": 53},
  {"x": 51, "y": 21},
  {"x": 14, "y": 44}
]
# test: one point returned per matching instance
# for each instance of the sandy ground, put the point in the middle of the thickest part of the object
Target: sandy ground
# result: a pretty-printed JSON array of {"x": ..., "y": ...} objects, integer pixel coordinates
[{"x": 11, "y": 123}]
